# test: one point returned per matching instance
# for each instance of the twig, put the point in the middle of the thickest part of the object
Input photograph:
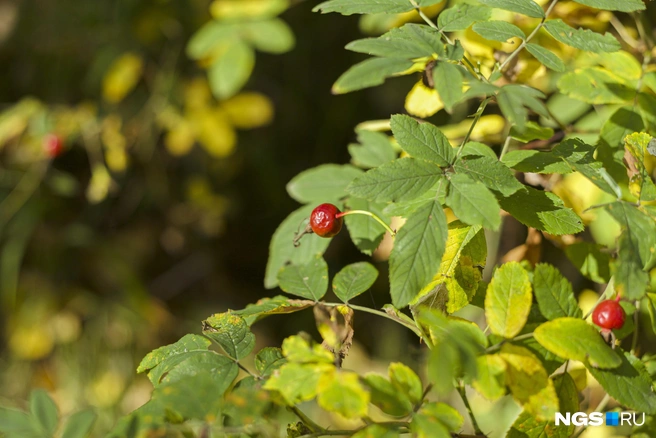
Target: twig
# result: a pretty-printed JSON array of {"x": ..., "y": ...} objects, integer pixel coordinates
[
  {"x": 379, "y": 313},
  {"x": 477, "y": 117},
  {"x": 495, "y": 347},
  {"x": 462, "y": 390}
]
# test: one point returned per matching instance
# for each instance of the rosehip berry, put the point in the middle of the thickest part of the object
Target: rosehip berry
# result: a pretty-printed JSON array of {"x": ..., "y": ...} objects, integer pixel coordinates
[
  {"x": 609, "y": 315},
  {"x": 324, "y": 220},
  {"x": 53, "y": 145}
]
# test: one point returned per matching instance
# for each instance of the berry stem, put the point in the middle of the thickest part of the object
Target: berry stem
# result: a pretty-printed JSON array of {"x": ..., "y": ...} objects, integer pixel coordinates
[{"x": 371, "y": 215}]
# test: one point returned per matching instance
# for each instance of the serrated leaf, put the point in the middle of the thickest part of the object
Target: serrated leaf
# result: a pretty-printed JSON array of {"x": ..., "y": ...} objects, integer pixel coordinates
[
  {"x": 186, "y": 344},
  {"x": 448, "y": 83},
  {"x": 508, "y": 300},
  {"x": 590, "y": 261},
  {"x": 297, "y": 382},
  {"x": 277, "y": 305},
  {"x": 325, "y": 183},
  {"x": 512, "y": 108},
  {"x": 461, "y": 16},
  {"x": 44, "y": 410},
  {"x": 630, "y": 279},
  {"x": 614, "y": 5},
  {"x": 472, "y": 202},
  {"x": 531, "y": 161},
  {"x": 369, "y": 73},
  {"x": 409, "y": 41},
  {"x": 546, "y": 57},
  {"x": 353, "y": 280},
  {"x": 498, "y": 31},
  {"x": 80, "y": 424},
  {"x": 365, "y": 232},
  {"x": 348, "y": 7},
  {"x": 221, "y": 369},
  {"x": 621, "y": 123},
  {"x": 524, "y": 7},
  {"x": 490, "y": 172},
  {"x": 629, "y": 384},
  {"x": 308, "y": 281},
  {"x": 230, "y": 71},
  {"x": 575, "y": 339},
  {"x": 583, "y": 39},
  {"x": 543, "y": 211},
  {"x": 400, "y": 180},
  {"x": 386, "y": 396},
  {"x": 231, "y": 332},
  {"x": 422, "y": 140},
  {"x": 595, "y": 85},
  {"x": 405, "y": 381},
  {"x": 269, "y": 359},
  {"x": 554, "y": 293},
  {"x": 282, "y": 249},
  {"x": 375, "y": 149},
  {"x": 417, "y": 251},
  {"x": 341, "y": 392}
]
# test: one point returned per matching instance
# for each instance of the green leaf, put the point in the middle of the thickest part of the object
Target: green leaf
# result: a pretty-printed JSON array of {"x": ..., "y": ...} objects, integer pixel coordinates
[
  {"x": 271, "y": 36},
  {"x": 629, "y": 384},
  {"x": 277, "y": 305},
  {"x": 195, "y": 396},
  {"x": 80, "y": 424},
  {"x": 221, "y": 369},
  {"x": 595, "y": 85},
  {"x": 297, "y": 382},
  {"x": 491, "y": 172},
  {"x": 269, "y": 359},
  {"x": 375, "y": 149},
  {"x": 527, "y": 426},
  {"x": 511, "y": 107},
  {"x": 508, "y": 300},
  {"x": 282, "y": 249},
  {"x": 409, "y": 41},
  {"x": 532, "y": 131},
  {"x": 546, "y": 57},
  {"x": 614, "y": 5},
  {"x": 422, "y": 140},
  {"x": 637, "y": 145},
  {"x": 554, "y": 293},
  {"x": 630, "y": 279},
  {"x": 621, "y": 123},
  {"x": 524, "y": 7},
  {"x": 472, "y": 202},
  {"x": 543, "y": 211},
  {"x": 490, "y": 381},
  {"x": 401, "y": 180},
  {"x": 365, "y": 232},
  {"x": 341, "y": 392},
  {"x": 187, "y": 343},
  {"x": 406, "y": 382},
  {"x": 376, "y": 431},
  {"x": 325, "y": 183},
  {"x": 297, "y": 349},
  {"x": 353, "y": 280},
  {"x": 461, "y": 16},
  {"x": 231, "y": 332},
  {"x": 478, "y": 149},
  {"x": 590, "y": 260},
  {"x": 231, "y": 70},
  {"x": 18, "y": 424},
  {"x": 348, "y": 7},
  {"x": 583, "y": 39},
  {"x": 418, "y": 245},
  {"x": 448, "y": 83},
  {"x": 575, "y": 339},
  {"x": 369, "y": 73},
  {"x": 44, "y": 410},
  {"x": 209, "y": 37},
  {"x": 308, "y": 281},
  {"x": 386, "y": 396},
  {"x": 436, "y": 420},
  {"x": 498, "y": 31},
  {"x": 580, "y": 157},
  {"x": 531, "y": 161}
]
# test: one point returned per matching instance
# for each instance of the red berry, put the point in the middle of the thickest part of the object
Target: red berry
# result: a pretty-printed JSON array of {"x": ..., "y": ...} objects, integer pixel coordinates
[
  {"x": 53, "y": 145},
  {"x": 324, "y": 222},
  {"x": 609, "y": 315}
]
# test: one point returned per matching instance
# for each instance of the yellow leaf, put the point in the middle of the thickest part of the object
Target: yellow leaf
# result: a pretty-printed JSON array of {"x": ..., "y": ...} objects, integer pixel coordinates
[
  {"x": 115, "y": 143},
  {"x": 579, "y": 193},
  {"x": 230, "y": 9},
  {"x": 214, "y": 133},
  {"x": 197, "y": 94},
  {"x": 99, "y": 185},
  {"x": 423, "y": 101},
  {"x": 31, "y": 343},
  {"x": 180, "y": 139},
  {"x": 122, "y": 77},
  {"x": 248, "y": 110}
]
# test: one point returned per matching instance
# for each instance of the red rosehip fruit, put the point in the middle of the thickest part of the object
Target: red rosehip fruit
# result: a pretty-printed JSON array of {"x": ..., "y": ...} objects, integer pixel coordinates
[
  {"x": 324, "y": 220},
  {"x": 609, "y": 315},
  {"x": 53, "y": 145}
]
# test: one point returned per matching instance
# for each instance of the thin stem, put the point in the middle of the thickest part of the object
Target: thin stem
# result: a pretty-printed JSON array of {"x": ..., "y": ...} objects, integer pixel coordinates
[
  {"x": 247, "y": 371},
  {"x": 621, "y": 30},
  {"x": 462, "y": 390},
  {"x": 314, "y": 427},
  {"x": 25, "y": 188},
  {"x": 379, "y": 313},
  {"x": 600, "y": 299},
  {"x": 371, "y": 215},
  {"x": 516, "y": 338},
  {"x": 477, "y": 117},
  {"x": 528, "y": 38},
  {"x": 505, "y": 147}
]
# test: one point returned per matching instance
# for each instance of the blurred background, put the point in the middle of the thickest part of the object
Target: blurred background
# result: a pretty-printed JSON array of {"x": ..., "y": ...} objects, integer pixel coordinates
[{"x": 145, "y": 146}]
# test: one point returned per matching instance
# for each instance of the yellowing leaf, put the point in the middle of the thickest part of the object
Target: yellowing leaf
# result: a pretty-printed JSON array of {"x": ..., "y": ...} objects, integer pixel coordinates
[
  {"x": 99, "y": 185},
  {"x": 508, "y": 300},
  {"x": 423, "y": 101},
  {"x": 215, "y": 134},
  {"x": 197, "y": 94},
  {"x": 248, "y": 110},
  {"x": 341, "y": 392},
  {"x": 180, "y": 139},
  {"x": 240, "y": 9},
  {"x": 490, "y": 382},
  {"x": 122, "y": 77},
  {"x": 297, "y": 382}
]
